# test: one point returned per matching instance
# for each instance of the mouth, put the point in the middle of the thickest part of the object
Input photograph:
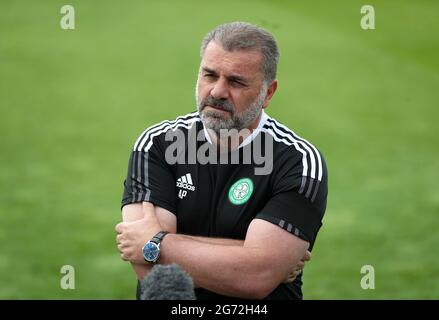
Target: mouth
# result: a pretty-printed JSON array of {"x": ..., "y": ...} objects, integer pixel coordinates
[{"x": 216, "y": 108}]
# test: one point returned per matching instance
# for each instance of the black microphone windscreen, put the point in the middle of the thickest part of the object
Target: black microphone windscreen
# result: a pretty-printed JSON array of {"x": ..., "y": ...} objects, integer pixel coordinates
[{"x": 167, "y": 282}]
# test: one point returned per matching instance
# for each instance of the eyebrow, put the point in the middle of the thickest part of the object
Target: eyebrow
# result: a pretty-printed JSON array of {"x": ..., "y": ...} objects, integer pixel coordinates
[{"x": 230, "y": 78}]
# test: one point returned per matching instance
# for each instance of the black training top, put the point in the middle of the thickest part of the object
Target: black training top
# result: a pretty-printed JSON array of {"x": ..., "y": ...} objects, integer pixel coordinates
[{"x": 221, "y": 196}]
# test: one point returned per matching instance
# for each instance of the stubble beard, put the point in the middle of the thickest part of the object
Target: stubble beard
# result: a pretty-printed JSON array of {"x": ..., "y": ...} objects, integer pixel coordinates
[{"x": 218, "y": 120}]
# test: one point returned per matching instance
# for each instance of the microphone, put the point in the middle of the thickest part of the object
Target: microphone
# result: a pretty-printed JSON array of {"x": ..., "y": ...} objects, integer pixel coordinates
[{"x": 167, "y": 282}]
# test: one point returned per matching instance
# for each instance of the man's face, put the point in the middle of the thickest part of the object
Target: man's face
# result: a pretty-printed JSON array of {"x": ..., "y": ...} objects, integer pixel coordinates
[{"x": 230, "y": 89}]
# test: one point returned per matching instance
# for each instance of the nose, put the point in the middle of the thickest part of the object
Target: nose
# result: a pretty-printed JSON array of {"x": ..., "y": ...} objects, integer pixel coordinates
[{"x": 220, "y": 90}]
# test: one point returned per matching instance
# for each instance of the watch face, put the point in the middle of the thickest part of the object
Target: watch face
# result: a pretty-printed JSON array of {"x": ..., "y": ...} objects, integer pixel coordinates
[{"x": 150, "y": 251}]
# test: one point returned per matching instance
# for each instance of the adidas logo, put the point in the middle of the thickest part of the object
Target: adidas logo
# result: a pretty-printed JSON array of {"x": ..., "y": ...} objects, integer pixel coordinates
[{"x": 185, "y": 182}]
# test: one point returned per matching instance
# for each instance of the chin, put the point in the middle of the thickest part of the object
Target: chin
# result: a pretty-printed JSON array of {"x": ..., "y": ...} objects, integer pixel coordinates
[{"x": 215, "y": 123}]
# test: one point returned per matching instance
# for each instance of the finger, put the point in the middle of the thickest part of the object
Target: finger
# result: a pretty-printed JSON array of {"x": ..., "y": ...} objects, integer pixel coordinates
[
  {"x": 119, "y": 238},
  {"x": 307, "y": 256},
  {"x": 299, "y": 265},
  {"x": 292, "y": 274},
  {"x": 292, "y": 277},
  {"x": 289, "y": 279},
  {"x": 295, "y": 274},
  {"x": 120, "y": 227}
]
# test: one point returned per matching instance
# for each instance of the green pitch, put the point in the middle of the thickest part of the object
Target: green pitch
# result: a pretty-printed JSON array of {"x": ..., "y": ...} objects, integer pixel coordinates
[{"x": 72, "y": 103}]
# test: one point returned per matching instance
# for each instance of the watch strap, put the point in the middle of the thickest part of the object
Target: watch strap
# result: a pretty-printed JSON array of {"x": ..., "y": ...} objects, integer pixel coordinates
[{"x": 159, "y": 237}]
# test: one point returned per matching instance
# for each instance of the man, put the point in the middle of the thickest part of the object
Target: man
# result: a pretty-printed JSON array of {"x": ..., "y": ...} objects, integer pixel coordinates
[{"x": 237, "y": 232}]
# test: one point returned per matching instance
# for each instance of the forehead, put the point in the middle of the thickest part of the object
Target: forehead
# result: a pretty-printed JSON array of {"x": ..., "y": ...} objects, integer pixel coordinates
[{"x": 240, "y": 62}]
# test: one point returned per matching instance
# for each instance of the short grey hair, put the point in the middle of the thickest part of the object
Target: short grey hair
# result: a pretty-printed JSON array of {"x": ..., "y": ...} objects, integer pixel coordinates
[{"x": 245, "y": 36}]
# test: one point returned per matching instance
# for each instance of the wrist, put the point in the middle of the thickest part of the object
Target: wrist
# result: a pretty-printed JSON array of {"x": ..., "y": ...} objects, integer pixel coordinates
[{"x": 152, "y": 249}]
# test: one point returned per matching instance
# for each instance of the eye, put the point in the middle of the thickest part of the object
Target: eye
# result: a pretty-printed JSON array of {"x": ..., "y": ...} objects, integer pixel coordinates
[
  {"x": 210, "y": 76},
  {"x": 237, "y": 83}
]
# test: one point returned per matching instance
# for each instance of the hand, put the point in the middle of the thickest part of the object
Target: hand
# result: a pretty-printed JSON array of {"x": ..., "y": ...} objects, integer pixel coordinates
[
  {"x": 132, "y": 236},
  {"x": 297, "y": 269}
]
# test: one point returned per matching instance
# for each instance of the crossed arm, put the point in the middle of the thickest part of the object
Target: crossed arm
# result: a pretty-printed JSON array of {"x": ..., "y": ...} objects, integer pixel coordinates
[{"x": 248, "y": 269}]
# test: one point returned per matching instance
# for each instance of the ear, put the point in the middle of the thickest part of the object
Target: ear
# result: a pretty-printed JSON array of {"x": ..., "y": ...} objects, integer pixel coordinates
[{"x": 270, "y": 92}]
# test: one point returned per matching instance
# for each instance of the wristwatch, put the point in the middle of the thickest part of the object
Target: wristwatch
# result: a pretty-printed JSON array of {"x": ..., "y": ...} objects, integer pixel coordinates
[{"x": 151, "y": 249}]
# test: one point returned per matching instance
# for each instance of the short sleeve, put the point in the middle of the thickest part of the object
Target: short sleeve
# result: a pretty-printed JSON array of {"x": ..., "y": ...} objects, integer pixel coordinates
[
  {"x": 298, "y": 201},
  {"x": 150, "y": 179}
]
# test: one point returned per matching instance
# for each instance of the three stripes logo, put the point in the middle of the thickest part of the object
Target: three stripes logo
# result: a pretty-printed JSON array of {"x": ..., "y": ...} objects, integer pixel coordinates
[{"x": 185, "y": 184}]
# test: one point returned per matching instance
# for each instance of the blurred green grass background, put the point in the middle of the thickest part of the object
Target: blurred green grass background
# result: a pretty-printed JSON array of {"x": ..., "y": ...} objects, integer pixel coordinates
[{"x": 72, "y": 104}]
